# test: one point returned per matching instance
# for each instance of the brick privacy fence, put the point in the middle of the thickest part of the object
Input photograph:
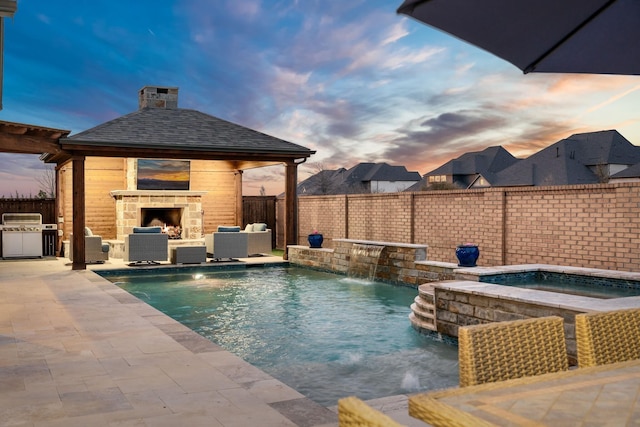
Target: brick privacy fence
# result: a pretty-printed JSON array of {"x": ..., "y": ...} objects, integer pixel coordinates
[{"x": 594, "y": 226}]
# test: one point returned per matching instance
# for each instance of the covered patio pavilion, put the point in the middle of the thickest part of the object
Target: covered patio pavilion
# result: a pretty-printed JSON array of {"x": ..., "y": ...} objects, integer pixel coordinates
[{"x": 165, "y": 132}]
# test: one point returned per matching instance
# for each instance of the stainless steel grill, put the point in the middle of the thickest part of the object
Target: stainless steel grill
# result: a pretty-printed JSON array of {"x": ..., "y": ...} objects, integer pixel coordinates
[{"x": 21, "y": 235}]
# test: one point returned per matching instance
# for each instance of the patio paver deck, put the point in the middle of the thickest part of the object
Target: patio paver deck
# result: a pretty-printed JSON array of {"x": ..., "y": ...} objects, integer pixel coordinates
[{"x": 76, "y": 350}]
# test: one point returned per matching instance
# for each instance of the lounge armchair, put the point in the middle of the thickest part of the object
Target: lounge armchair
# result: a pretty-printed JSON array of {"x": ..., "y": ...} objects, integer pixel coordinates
[
  {"x": 146, "y": 244},
  {"x": 227, "y": 242},
  {"x": 608, "y": 337},
  {"x": 94, "y": 250},
  {"x": 505, "y": 350}
]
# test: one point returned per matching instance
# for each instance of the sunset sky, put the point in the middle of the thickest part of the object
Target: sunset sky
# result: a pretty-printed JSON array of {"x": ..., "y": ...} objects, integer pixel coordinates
[{"x": 350, "y": 79}]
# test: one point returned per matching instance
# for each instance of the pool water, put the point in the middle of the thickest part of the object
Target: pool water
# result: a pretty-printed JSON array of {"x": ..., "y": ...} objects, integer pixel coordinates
[
  {"x": 582, "y": 290},
  {"x": 323, "y": 334},
  {"x": 602, "y": 287}
]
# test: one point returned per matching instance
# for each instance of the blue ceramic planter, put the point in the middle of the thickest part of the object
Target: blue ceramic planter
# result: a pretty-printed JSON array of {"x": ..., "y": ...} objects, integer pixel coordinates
[
  {"x": 315, "y": 240},
  {"x": 467, "y": 255}
]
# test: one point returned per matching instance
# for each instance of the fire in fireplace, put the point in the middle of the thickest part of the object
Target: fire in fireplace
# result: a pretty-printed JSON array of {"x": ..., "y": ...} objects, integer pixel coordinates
[{"x": 170, "y": 219}]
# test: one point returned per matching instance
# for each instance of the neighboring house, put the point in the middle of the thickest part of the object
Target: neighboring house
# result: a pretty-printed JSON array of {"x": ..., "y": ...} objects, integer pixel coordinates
[
  {"x": 585, "y": 158},
  {"x": 362, "y": 178},
  {"x": 476, "y": 169}
]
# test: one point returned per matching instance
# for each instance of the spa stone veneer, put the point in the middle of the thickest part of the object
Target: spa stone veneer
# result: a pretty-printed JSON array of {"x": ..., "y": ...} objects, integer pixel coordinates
[{"x": 469, "y": 300}]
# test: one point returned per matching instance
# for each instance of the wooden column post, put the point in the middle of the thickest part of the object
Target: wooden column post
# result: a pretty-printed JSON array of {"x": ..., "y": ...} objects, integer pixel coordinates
[
  {"x": 79, "y": 260},
  {"x": 59, "y": 210},
  {"x": 239, "y": 206},
  {"x": 291, "y": 207}
]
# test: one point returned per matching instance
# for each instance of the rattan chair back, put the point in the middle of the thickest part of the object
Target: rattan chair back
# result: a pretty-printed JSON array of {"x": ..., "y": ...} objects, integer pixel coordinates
[
  {"x": 608, "y": 337},
  {"x": 504, "y": 350},
  {"x": 353, "y": 412}
]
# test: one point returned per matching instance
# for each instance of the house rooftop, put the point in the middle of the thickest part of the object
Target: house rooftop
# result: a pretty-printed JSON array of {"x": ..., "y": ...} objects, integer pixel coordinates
[
  {"x": 574, "y": 160},
  {"x": 356, "y": 179}
]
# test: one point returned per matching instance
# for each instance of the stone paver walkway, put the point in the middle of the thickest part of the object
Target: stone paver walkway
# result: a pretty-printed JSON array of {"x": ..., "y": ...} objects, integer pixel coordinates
[{"x": 76, "y": 350}]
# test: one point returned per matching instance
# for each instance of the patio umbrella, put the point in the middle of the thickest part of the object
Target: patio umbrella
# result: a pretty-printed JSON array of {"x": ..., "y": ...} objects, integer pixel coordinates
[{"x": 549, "y": 36}]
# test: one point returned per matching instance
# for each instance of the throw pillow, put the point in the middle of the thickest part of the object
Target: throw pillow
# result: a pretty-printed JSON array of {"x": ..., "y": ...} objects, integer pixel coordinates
[
  {"x": 249, "y": 228},
  {"x": 153, "y": 230},
  {"x": 227, "y": 228},
  {"x": 88, "y": 232},
  {"x": 260, "y": 227}
]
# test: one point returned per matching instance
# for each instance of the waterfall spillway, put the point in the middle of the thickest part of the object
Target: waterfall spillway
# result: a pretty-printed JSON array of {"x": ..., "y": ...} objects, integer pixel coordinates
[{"x": 363, "y": 261}]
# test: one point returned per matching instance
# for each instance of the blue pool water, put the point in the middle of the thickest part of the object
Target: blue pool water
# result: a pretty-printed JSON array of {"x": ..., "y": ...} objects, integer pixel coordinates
[
  {"x": 323, "y": 334},
  {"x": 574, "y": 284}
]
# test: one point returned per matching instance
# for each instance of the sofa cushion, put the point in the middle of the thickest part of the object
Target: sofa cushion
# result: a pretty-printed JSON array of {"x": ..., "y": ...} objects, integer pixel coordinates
[
  {"x": 147, "y": 230},
  {"x": 249, "y": 228},
  {"x": 259, "y": 226},
  {"x": 228, "y": 228}
]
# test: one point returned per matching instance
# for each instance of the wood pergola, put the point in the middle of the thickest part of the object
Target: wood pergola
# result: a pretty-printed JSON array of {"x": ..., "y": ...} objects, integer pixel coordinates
[{"x": 54, "y": 147}]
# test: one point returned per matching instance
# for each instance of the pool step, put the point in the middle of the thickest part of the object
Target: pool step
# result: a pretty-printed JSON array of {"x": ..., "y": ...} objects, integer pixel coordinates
[{"x": 423, "y": 313}]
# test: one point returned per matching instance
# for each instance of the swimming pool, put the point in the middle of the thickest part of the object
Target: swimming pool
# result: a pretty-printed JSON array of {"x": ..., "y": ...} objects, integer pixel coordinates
[{"x": 323, "y": 334}]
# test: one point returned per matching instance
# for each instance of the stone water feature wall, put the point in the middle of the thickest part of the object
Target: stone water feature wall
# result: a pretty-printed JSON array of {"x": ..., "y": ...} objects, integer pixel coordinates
[{"x": 399, "y": 263}]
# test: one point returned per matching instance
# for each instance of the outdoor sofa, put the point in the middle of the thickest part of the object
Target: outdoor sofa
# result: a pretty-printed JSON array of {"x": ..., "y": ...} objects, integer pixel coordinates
[{"x": 232, "y": 242}]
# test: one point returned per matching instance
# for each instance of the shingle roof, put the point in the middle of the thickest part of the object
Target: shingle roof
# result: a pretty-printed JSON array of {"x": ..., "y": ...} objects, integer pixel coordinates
[
  {"x": 487, "y": 161},
  {"x": 571, "y": 160},
  {"x": 182, "y": 129},
  {"x": 354, "y": 180},
  {"x": 603, "y": 147},
  {"x": 545, "y": 169},
  {"x": 630, "y": 172},
  {"x": 366, "y": 172}
]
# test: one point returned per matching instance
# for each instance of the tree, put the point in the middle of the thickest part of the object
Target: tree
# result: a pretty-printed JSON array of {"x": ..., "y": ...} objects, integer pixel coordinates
[
  {"x": 47, "y": 181},
  {"x": 263, "y": 192},
  {"x": 601, "y": 171},
  {"x": 324, "y": 179}
]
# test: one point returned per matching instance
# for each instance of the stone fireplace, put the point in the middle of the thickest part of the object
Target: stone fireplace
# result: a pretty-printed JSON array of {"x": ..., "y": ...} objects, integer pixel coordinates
[
  {"x": 178, "y": 212},
  {"x": 170, "y": 219}
]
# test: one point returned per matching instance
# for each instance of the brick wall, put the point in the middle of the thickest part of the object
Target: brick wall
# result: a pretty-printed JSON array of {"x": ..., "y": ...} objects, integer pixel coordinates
[
  {"x": 595, "y": 226},
  {"x": 327, "y": 214}
]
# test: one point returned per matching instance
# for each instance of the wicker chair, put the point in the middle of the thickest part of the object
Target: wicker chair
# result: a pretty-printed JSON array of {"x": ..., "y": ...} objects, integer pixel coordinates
[
  {"x": 504, "y": 350},
  {"x": 353, "y": 412},
  {"x": 608, "y": 337}
]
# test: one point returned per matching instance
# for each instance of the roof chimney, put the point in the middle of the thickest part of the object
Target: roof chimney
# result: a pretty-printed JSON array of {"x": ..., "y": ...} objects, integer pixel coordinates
[{"x": 158, "y": 97}]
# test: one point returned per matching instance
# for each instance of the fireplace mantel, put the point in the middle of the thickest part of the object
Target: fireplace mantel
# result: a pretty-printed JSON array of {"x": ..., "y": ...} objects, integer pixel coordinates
[
  {"x": 124, "y": 193},
  {"x": 129, "y": 205}
]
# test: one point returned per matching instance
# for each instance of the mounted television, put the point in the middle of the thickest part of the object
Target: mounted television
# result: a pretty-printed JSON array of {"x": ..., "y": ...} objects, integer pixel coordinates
[{"x": 154, "y": 174}]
